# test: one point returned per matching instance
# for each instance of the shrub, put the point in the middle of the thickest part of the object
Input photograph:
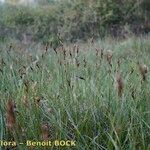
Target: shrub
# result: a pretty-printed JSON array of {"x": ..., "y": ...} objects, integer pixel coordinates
[{"x": 75, "y": 20}]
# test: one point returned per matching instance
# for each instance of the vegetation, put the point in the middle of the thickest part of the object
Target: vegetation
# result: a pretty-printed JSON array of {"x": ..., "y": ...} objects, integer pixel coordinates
[
  {"x": 95, "y": 93},
  {"x": 75, "y": 20},
  {"x": 75, "y": 70}
]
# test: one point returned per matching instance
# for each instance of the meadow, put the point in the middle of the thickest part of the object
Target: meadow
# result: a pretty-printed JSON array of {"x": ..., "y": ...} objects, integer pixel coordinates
[{"x": 96, "y": 93}]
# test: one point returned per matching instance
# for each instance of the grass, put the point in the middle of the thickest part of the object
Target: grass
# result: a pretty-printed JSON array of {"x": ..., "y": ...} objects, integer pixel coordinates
[{"x": 76, "y": 97}]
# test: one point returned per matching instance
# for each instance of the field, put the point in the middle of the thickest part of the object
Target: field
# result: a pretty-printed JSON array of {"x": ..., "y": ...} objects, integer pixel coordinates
[{"x": 96, "y": 94}]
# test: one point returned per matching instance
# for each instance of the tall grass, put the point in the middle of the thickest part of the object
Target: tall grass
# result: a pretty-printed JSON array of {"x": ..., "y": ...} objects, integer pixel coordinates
[{"x": 70, "y": 94}]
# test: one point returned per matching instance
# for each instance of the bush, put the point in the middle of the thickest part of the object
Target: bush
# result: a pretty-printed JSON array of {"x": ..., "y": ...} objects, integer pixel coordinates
[{"x": 74, "y": 20}]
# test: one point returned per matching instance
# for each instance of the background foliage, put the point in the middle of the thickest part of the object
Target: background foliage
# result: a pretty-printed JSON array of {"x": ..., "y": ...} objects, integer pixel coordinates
[{"x": 74, "y": 20}]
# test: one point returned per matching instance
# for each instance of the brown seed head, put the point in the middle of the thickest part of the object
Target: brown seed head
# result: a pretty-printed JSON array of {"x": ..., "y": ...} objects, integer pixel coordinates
[
  {"x": 45, "y": 132},
  {"x": 109, "y": 55},
  {"x": 118, "y": 130},
  {"x": 25, "y": 100},
  {"x": 143, "y": 71},
  {"x": 102, "y": 53},
  {"x": 97, "y": 52},
  {"x": 37, "y": 100},
  {"x": 119, "y": 84},
  {"x": 85, "y": 62},
  {"x": 10, "y": 115},
  {"x": 77, "y": 49}
]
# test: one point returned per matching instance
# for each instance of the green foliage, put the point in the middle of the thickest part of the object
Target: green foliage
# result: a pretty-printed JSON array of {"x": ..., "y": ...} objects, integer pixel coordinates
[
  {"x": 75, "y": 97},
  {"x": 78, "y": 19},
  {"x": 145, "y": 5}
]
